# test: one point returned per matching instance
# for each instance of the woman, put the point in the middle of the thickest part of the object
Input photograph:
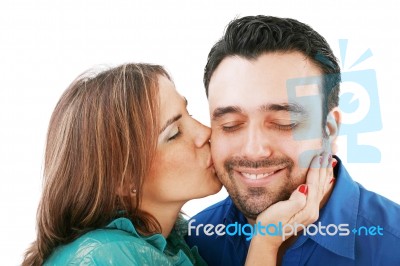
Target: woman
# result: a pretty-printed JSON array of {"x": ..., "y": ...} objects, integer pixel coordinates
[{"x": 122, "y": 157}]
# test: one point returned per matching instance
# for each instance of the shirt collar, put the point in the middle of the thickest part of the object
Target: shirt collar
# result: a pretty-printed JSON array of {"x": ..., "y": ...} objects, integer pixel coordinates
[
  {"x": 341, "y": 208},
  {"x": 156, "y": 240},
  {"x": 232, "y": 213}
]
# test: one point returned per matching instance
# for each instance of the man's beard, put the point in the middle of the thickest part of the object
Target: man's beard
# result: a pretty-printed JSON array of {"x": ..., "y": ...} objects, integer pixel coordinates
[{"x": 256, "y": 199}]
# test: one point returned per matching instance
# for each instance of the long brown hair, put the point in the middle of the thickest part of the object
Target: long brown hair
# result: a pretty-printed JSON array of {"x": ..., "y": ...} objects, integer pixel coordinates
[{"x": 102, "y": 137}]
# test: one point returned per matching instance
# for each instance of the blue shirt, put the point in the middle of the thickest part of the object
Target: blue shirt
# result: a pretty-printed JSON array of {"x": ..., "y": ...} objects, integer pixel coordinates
[{"x": 372, "y": 221}]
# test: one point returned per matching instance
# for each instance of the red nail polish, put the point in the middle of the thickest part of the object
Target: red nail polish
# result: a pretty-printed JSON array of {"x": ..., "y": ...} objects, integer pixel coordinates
[
  {"x": 334, "y": 163},
  {"x": 303, "y": 189},
  {"x": 332, "y": 180}
]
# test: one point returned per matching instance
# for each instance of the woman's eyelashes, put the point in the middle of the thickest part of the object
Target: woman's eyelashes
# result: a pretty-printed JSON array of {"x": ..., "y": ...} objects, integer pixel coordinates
[{"x": 175, "y": 134}]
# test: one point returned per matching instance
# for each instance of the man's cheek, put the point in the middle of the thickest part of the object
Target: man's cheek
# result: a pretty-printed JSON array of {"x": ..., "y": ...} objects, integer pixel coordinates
[
  {"x": 305, "y": 157},
  {"x": 303, "y": 152},
  {"x": 220, "y": 145}
]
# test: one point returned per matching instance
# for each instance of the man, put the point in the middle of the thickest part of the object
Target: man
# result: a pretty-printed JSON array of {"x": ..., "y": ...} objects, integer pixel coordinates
[{"x": 273, "y": 87}]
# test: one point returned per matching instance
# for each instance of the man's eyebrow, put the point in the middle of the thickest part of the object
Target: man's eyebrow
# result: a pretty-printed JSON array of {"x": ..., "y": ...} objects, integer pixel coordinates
[
  {"x": 170, "y": 121},
  {"x": 286, "y": 107},
  {"x": 220, "y": 111}
]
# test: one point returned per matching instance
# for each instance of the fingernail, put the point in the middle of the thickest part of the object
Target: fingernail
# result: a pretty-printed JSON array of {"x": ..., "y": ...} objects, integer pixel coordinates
[
  {"x": 330, "y": 156},
  {"x": 332, "y": 180},
  {"x": 334, "y": 163},
  {"x": 303, "y": 189}
]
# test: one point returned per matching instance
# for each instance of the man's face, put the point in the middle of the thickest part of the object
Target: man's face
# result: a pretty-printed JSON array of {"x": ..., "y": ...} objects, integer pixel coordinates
[{"x": 264, "y": 135}]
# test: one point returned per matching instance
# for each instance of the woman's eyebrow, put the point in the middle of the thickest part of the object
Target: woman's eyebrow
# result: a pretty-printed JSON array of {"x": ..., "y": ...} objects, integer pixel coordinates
[
  {"x": 173, "y": 119},
  {"x": 170, "y": 121}
]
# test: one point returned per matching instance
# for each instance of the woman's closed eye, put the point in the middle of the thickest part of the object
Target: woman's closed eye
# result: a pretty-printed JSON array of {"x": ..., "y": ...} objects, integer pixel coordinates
[{"x": 174, "y": 134}]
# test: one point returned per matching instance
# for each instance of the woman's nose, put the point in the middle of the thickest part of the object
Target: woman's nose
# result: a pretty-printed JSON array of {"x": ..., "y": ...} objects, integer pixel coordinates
[{"x": 202, "y": 135}]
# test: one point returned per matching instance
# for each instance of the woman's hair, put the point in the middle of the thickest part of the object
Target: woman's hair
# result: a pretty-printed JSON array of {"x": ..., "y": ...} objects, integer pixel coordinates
[{"x": 101, "y": 139}]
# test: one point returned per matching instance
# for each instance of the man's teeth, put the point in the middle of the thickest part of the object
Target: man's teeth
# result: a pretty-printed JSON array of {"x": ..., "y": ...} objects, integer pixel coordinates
[{"x": 254, "y": 176}]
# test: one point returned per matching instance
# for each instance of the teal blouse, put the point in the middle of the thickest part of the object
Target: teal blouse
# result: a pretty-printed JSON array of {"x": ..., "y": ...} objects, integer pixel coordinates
[{"x": 120, "y": 244}]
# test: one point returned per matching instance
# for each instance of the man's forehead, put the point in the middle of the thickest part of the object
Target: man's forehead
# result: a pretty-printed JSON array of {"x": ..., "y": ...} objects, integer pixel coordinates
[
  {"x": 307, "y": 90},
  {"x": 292, "y": 94},
  {"x": 274, "y": 72}
]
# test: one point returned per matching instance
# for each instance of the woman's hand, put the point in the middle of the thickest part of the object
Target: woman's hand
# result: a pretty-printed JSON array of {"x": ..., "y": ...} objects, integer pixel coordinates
[{"x": 301, "y": 208}]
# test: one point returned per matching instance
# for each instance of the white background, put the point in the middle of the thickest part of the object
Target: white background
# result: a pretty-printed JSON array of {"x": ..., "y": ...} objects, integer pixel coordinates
[{"x": 45, "y": 44}]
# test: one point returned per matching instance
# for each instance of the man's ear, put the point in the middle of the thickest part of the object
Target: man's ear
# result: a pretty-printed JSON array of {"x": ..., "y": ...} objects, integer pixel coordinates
[{"x": 333, "y": 121}]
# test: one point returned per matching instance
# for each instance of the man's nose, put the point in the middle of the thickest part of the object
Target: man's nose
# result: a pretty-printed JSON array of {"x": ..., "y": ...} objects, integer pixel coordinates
[{"x": 257, "y": 144}]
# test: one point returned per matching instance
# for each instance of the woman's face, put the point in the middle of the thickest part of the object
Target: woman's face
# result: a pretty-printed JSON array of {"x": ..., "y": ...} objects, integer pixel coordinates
[{"x": 183, "y": 168}]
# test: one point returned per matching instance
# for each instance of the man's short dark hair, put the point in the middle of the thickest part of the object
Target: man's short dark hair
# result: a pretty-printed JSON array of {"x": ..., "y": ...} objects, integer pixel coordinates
[{"x": 251, "y": 36}]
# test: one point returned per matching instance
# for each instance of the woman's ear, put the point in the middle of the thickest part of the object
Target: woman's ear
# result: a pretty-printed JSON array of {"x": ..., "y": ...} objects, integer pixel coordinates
[
  {"x": 333, "y": 121},
  {"x": 128, "y": 194},
  {"x": 126, "y": 191}
]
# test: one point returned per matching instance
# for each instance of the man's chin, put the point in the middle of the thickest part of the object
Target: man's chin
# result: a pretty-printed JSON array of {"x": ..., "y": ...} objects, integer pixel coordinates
[
  {"x": 252, "y": 208},
  {"x": 252, "y": 205}
]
